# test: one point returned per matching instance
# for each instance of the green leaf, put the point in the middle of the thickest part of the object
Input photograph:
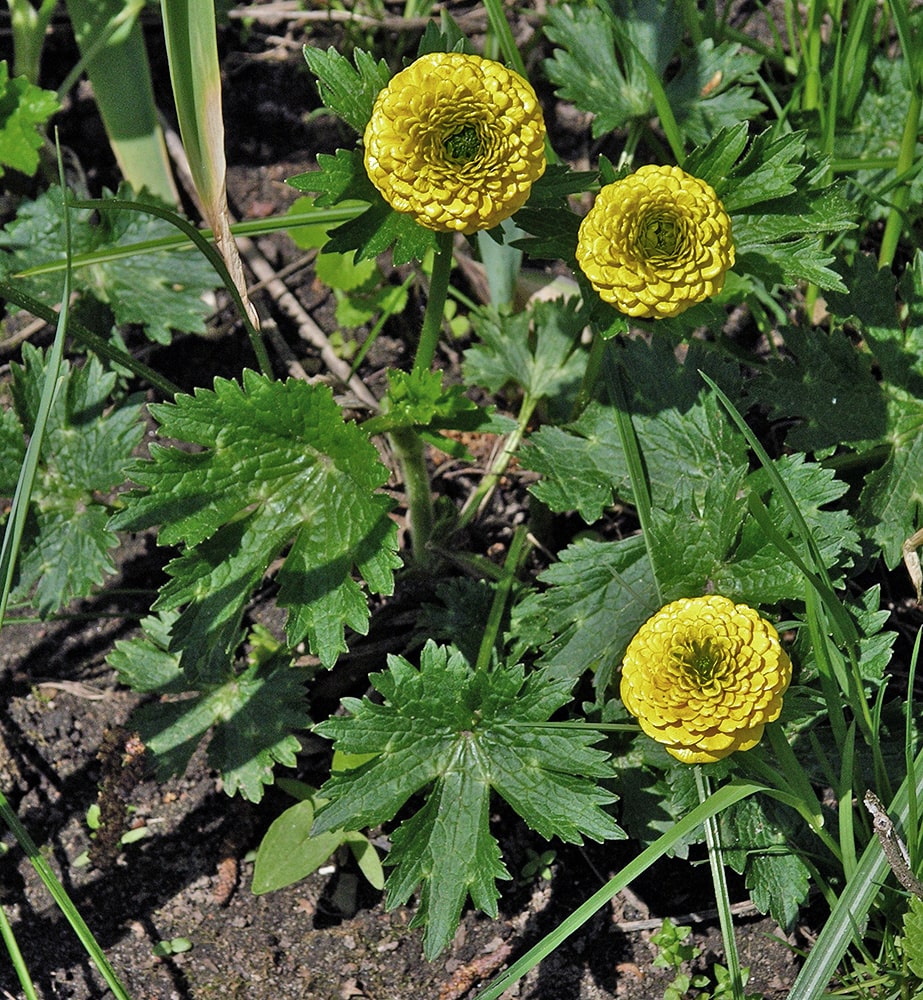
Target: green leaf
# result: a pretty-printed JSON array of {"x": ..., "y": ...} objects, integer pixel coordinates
[
  {"x": 682, "y": 431},
  {"x": 597, "y": 596},
  {"x": 419, "y": 399},
  {"x": 712, "y": 162},
  {"x": 447, "y": 36},
  {"x": 145, "y": 663},
  {"x": 891, "y": 316},
  {"x": 24, "y": 109},
  {"x": 459, "y": 618},
  {"x": 446, "y": 726},
  {"x": 12, "y": 451},
  {"x": 275, "y": 464},
  {"x": 367, "y": 858},
  {"x": 760, "y": 835},
  {"x": 596, "y": 63},
  {"x": 713, "y": 89},
  {"x": 768, "y": 170},
  {"x": 824, "y": 389},
  {"x": 893, "y": 494},
  {"x": 693, "y": 540},
  {"x": 251, "y": 717},
  {"x": 780, "y": 208},
  {"x": 537, "y": 350},
  {"x": 288, "y": 852},
  {"x": 87, "y": 451},
  {"x": 814, "y": 488},
  {"x": 913, "y": 935},
  {"x": 347, "y": 91},
  {"x": 606, "y": 52},
  {"x": 342, "y": 177},
  {"x": 159, "y": 291}
]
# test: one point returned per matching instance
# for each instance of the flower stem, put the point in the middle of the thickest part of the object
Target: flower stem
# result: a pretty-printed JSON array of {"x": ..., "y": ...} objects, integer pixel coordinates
[
  {"x": 407, "y": 443},
  {"x": 435, "y": 306},
  {"x": 408, "y": 447},
  {"x": 719, "y": 881}
]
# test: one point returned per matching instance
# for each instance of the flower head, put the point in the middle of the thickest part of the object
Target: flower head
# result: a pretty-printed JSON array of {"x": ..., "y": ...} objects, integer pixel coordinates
[
  {"x": 703, "y": 676},
  {"x": 456, "y": 141},
  {"x": 656, "y": 242}
]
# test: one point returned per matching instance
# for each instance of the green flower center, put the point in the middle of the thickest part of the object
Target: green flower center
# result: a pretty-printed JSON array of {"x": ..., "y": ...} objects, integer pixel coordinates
[
  {"x": 698, "y": 661},
  {"x": 660, "y": 236},
  {"x": 463, "y": 145}
]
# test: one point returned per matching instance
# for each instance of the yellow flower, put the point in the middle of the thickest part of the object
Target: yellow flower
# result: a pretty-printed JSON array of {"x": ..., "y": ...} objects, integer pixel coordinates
[
  {"x": 456, "y": 141},
  {"x": 656, "y": 242},
  {"x": 703, "y": 676}
]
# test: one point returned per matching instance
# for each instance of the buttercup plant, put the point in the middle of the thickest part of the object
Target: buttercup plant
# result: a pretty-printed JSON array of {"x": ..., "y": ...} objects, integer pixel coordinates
[{"x": 576, "y": 682}]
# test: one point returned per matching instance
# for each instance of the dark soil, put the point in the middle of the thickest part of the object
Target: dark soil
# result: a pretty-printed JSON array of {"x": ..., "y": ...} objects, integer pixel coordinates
[{"x": 328, "y": 937}]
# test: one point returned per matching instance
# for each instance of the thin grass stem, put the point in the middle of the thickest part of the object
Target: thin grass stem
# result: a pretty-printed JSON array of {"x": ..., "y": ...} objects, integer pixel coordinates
[
  {"x": 61, "y": 898},
  {"x": 719, "y": 882},
  {"x": 501, "y": 596},
  {"x": 18, "y": 962}
]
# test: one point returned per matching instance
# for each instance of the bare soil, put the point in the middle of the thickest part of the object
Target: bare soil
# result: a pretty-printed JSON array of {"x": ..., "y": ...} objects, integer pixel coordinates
[{"x": 328, "y": 937}]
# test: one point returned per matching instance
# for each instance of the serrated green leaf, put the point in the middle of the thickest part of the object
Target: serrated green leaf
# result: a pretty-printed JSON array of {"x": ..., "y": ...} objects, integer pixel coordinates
[
  {"x": 597, "y": 596},
  {"x": 342, "y": 177},
  {"x": 535, "y": 349},
  {"x": 451, "y": 727},
  {"x": 893, "y": 494},
  {"x": 288, "y": 853},
  {"x": 712, "y": 162},
  {"x": 145, "y": 663},
  {"x": 276, "y": 464},
  {"x": 159, "y": 291},
  {"x": 757, "y": 568},
  {"x": 346, "y": 90},
  {"x": 251, "y": 716},
  {"x": 825, "y": 388},
  {"x": 759, "y": 836},
  {"x": 773, "y": 161},
  {"x": 447, "y": 850},
  {"x": 596, "y": 66},
  {"x": 891, "y": 316},
  {"x": 420, "y": 399},
  {"x": 913, "y": 935},
  {"x": 693, "y": 540},
  {"x": 12, "y": 451},
  {"x": 875, "y": 645},
  {"x": 714, "y": 89},
  {"x": 447, "y": 36},
  {"x": 683, "y": 434},
  {"x": 87, "y": 451},
  {"x": 24, "y": 109}
]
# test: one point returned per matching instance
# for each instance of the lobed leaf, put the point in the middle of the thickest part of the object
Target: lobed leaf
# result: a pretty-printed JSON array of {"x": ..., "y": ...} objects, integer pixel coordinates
[
  {"x": 342, "y": 177},
  {"x": 24, "y": 110},
  {"x": 349, "y": 91},
  {"x": 88, "y": 448},
  {"x": 447, "y": 726},
  {"x": 276, "y": 465}
]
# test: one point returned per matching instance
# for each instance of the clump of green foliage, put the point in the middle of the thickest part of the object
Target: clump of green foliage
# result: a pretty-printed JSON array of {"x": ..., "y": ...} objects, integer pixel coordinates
[{"x": 780, "y": 469}]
